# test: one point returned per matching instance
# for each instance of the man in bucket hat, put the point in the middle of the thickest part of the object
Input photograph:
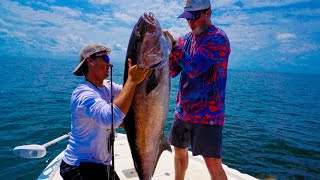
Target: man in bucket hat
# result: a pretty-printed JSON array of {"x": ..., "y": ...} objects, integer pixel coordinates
[
  {"x": 87, "y": 155},
  {"x": 201, "y": 58}
]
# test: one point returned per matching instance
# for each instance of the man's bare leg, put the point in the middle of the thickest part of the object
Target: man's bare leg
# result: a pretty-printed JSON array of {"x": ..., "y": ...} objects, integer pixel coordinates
[
  {"x": 181, "y": 161},
  {"x": 215, "y": 169}
]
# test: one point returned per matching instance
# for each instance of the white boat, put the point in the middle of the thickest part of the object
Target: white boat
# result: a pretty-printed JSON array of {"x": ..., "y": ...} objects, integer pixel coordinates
[{"x": 164, "y": 170}]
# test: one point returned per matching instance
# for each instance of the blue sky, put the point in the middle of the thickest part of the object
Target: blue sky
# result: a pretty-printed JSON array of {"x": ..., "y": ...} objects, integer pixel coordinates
[{"x": 265, "y": 35}]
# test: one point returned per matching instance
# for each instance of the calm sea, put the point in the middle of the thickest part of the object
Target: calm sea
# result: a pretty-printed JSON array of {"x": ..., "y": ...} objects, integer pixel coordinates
[{"x": 271, "y": 129}]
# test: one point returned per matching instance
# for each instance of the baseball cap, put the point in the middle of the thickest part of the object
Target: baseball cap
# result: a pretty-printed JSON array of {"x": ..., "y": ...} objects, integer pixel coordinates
[
  {"x": 192, "y": 8},
  {"x": 87, "y": 51}
]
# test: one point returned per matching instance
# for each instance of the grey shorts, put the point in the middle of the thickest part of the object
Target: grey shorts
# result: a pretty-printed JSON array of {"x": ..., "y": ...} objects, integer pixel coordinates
[{"x": 205, "y": 140}]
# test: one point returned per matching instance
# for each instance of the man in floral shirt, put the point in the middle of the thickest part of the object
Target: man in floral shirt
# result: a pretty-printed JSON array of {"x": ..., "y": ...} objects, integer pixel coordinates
[{"x": 201, "y": 59}]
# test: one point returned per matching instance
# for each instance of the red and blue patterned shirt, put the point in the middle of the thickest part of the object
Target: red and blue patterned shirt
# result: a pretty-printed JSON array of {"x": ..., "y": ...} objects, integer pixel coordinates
[{"x": 202, "y": 62}]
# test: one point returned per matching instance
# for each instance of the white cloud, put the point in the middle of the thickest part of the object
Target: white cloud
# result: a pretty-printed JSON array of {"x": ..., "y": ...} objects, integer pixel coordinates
[
  {"x": 66, "y": 43},
  {"x": 298, "y": 48},
  {"x": 4, "y": 23},
  {"x": 249, "y": 4},
  {"x": 224, "y": 4},
  {"x": 102, "y": 2},
  {"x": 3, "y": 31},
  {"x": 124, "y": 17},
  {"x": 260, "y": 32},
  {"x": 285, "y": 60},
  {"x": 117, "y": 47},
  {"x": 285, "y": 36},
  {"x": 271, "y": 3},
  {"x": 66, "y": 11}
]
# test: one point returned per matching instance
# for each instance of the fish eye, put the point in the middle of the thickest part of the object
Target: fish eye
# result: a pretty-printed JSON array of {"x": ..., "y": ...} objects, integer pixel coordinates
[{"x": 139, "y": 36}]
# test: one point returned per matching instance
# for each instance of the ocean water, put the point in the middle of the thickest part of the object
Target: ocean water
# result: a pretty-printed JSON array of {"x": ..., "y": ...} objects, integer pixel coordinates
[{"x": 271, "y": 128}]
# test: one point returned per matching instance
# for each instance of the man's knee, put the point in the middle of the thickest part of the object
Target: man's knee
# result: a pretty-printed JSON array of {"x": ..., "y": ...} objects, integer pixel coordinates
[
  {"x": 181, "y": 152},
  {"x": 213, "y": 162}
]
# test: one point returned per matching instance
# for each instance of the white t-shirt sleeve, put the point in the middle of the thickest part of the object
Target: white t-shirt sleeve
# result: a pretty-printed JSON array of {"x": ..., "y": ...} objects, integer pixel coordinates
[
  {"x": 115, "y": 87},
  {"x": 90, "y": 104}
]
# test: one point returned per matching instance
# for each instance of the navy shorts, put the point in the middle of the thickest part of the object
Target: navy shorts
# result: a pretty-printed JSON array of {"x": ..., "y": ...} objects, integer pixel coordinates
[{"x": 205, "y": 140}]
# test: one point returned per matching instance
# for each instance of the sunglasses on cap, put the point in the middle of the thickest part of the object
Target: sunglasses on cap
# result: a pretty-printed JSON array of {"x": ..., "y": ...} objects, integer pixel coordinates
[{"x": 103, "y": 55}]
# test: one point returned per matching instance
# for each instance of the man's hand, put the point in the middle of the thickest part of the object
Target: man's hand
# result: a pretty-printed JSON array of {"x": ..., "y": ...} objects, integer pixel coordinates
[
  {"x": 167, "y": 33},
  {"x": 136, "y": 74}
]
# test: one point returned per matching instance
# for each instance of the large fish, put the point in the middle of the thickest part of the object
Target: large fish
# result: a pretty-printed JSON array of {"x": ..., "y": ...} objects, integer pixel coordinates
[{"x": 144, "y": 123}]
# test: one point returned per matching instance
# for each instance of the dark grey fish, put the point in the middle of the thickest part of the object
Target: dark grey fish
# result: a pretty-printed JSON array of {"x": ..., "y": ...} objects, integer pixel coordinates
[{"x": 144, "y": 123}]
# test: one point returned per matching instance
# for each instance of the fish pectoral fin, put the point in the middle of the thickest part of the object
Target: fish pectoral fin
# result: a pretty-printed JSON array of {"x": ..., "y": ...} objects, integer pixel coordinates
[
  {"x": 164, "y": 145},
  {"x": 152, "y": 82}
]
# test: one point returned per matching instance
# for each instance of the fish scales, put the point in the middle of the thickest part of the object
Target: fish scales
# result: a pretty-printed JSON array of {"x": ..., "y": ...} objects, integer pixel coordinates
[{"x": 145, "y": 121}]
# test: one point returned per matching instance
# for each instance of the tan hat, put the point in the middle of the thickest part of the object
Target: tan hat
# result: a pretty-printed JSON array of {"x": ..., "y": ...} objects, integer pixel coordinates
[{"x": 87, "y": 51}]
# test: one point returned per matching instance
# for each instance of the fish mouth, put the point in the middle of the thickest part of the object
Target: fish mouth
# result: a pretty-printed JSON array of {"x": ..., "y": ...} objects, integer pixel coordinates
[
  {"x": 149, "y": 18},
  {"x": 154, "y": 66},
  {"x": 159, "y": 64},
  {"x": 151, "y": 23}
]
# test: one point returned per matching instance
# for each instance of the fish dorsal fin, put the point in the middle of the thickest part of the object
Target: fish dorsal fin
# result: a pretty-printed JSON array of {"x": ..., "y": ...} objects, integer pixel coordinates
[{"x": 153, "y": 81}]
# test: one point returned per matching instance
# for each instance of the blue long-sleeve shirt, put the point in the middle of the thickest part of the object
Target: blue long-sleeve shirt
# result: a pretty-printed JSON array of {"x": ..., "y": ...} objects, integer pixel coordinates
[{"x": 202, "y": 62}]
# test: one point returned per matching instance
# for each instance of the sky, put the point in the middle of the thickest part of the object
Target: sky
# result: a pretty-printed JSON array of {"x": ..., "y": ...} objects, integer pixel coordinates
[{"x": 265, "y": 35}]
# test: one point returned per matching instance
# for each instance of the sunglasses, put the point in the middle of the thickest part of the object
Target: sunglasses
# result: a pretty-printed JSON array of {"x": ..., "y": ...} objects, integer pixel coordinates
[
  {"x": 104, "y": 56},
  {"x": 197, "y": 14},
  {"x": 196, "y": 17}
]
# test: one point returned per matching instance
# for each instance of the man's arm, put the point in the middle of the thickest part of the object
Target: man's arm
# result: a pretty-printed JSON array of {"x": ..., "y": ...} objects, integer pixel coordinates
[
  {"x": 135, "y": 76},
  {"x": 215, "y": 50},
  {"x": 88, "y": 102},
  {"x": 174, "y": 67}
]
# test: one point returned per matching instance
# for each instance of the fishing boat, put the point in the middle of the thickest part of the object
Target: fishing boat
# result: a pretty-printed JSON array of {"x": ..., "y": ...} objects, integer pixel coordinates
[{"x": 164, "y": 170}]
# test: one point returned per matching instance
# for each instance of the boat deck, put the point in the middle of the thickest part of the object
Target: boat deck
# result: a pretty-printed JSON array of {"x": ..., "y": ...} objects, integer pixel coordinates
[{"x": 165, "y": 167}]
